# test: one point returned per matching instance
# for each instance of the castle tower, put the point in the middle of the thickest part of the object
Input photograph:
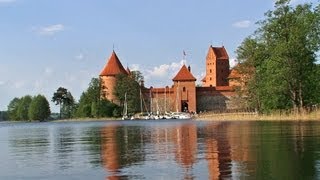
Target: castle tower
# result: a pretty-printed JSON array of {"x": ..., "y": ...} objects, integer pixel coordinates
[
  {"x": 108, "y": 77},
  {"x": 217, "y": 67},
  {"x": 185, "y": 90}
]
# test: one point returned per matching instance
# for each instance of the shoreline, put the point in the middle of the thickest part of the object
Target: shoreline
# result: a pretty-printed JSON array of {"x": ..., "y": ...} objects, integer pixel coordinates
[
  {"x": 210, "y": 116},
  {"x": 314, "y": 116}
]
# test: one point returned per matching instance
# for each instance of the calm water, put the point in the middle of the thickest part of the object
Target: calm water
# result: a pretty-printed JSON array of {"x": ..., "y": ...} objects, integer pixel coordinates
[{"x": 160, "y": 150}]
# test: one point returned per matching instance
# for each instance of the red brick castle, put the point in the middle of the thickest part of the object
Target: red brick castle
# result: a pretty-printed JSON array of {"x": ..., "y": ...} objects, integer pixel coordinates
[{"x": 183, "y": 95}]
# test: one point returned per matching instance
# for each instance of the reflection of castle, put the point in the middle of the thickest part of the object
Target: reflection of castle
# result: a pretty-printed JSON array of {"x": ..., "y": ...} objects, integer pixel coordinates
[
  {"x": 183, "y": 95},
  {"x": 217, "y": 143}
]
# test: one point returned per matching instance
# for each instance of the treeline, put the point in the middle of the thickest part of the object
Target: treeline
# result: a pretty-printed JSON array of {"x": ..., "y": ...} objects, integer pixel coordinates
[
  {"x": 29, "y": 108},
  {"x": 278, "y": 63},
  {"x": 91, "y": 104}
]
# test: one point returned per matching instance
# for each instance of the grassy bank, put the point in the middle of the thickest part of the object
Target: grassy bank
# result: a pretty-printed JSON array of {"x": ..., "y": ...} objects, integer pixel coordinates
[
  {"x": 85, "y": 119},
  {"x": 249, "y": 116}
]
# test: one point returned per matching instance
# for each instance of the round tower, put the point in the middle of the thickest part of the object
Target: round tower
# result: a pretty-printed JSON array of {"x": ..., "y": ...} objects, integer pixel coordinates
[{"x": 108, "y": 77}]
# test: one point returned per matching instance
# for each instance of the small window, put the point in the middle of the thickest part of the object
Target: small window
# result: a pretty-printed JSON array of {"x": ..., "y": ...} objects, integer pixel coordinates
[
  {"x": 184, "y": 89},
  {"x": 210, "y": 79},
  {"x": 210, "y": 70}
]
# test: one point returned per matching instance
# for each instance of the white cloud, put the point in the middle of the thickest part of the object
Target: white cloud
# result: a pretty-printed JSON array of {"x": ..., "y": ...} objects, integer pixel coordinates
[
  {"x": 233, "y": 62},
  {"x": 165, "y": 69},
  {"x": 161, "y": 75},
  {"x": 48, "y": 71},
  {"x": 79, "y": 56},
  {"x": 242, "y": 24},
  {"x": 19, "y": 84},
  {"x": 135, "y": 67},
  {"x": 50, "y": 30}
]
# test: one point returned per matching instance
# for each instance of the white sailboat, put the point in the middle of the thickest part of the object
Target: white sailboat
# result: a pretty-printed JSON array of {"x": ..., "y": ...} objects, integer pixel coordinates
[{"x": 125, "y": 108}]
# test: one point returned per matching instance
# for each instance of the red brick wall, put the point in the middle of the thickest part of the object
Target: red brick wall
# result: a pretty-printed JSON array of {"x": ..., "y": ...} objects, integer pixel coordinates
[
  {"x": 185, "y": 91},
  {"x": 107, "y": 88},
  {"x": 222, "y": 73}
]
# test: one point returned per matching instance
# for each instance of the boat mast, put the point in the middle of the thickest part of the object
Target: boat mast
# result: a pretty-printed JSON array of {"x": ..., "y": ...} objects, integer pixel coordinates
[
  {"x": 165, "y": 99},
  {"x": 125, "y": 108},
  {"x": 141, "y": 108},
  {"x": 177, "y": 97},
  {"x": 151, "y": 100}
]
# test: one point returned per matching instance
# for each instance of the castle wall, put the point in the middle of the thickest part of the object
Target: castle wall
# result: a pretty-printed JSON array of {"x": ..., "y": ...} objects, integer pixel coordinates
[
  {"x": 222, "y": 72},
  {"x": 159, "y": 99},
  {"x": 215, "y": 99},
  {"x": 107, "y": 88},
  {"x": 211, "y": 69},
  {"x": 185, "y": 92}
]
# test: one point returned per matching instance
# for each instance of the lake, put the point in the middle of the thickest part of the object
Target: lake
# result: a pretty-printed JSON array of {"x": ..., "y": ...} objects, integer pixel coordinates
[{"x": 163, "y": 149}]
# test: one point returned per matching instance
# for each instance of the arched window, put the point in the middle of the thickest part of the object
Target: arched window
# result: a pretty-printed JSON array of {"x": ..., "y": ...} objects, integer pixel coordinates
[
  {"x": 184, "y": 89},
  {"x": 210, "y": 70}
]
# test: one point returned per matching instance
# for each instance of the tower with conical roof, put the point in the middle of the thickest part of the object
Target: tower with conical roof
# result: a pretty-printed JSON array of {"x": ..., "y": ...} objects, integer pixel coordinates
[
  {"x": 185, "y": 90},
  {"x": 108, "y": 77},
  {"x": 217, "y": 67}
]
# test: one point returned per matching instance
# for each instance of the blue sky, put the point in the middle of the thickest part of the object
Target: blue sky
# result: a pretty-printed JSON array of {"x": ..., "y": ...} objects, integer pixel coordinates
[{"x": 45, "y": 44}]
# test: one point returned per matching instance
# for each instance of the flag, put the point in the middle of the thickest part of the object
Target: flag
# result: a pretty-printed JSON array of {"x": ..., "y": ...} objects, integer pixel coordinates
[{"x": 184, "y": 53}]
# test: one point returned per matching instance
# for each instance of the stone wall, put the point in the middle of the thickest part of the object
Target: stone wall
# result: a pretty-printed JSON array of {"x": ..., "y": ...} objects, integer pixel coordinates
[{"x": 216, "y": 99}]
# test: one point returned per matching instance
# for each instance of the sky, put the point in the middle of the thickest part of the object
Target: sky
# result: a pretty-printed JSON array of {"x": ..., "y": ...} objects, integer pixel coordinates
[{"x": 47, "y": 44}]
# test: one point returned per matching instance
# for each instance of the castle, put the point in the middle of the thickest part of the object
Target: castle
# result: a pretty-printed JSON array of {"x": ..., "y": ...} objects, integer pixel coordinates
[{"x": 215, "y": 94}]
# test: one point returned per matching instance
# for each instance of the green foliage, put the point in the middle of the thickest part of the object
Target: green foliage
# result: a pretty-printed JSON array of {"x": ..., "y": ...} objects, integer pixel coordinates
[
  {"x": 91, "y": 104},
  {"x": 4, "y": 116},
  {"x": 128, "y": 85},
  {"x": 280, "y": 58},
  {"x": 13, "y": 109},
  {"x": 65, "y": 99},
  {"x": 39, "y": 108},
  {"x": 137, "y": 76},
  {"x": 23, "y": 107}
]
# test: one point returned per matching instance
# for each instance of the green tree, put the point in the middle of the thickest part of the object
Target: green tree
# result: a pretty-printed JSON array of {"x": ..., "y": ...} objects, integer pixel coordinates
[
  {"x": 128, "y": 85},
  {"x": 39, "y": 108},
  {"x": 3, "y": 115},
  {"x": 282, "y": 55},
  {"x": 68, "y": 106},
  {"x": 23, "y": 107},
  {"x": 137, "y": 76},
  {"x": 13, "y": 109},
  {"x": 65, "y": 100},
  {"x": 92, "y": 105}
]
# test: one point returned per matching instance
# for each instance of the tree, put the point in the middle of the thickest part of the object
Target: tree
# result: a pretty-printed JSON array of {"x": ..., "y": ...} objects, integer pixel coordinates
[
  {"x": 13, "y": 109},
  {"x": 137, "y": 76},
  {"x": 91, "y": 104},
  {"x": 39, "y": 108},
  {"x": 63, "y": 98},
  {"x": 68, "y": 106},
  {"x": 282, "y": 56},
  {"x": 128, "y": 85},
  {"x": 23, "y": 107},
  {"x": 3, "y": 115}
]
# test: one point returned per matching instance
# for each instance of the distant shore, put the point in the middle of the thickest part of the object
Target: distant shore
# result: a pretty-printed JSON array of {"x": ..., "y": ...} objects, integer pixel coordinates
[{"x": 210, "y": 116}]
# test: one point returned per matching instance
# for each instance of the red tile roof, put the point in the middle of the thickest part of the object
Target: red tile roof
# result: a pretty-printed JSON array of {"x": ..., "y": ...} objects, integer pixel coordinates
[
  {"x": 184, "y": 75},
  {"x": 220, "y": 52},
  {"x": 113, "y": 67}
]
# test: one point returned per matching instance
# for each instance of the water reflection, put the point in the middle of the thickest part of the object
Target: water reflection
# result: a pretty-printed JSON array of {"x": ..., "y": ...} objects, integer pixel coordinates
[
  {"x": 29, "y": 145},
  {"x": 163, "y": 150},
  {"x": 121, "y": 147}
]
